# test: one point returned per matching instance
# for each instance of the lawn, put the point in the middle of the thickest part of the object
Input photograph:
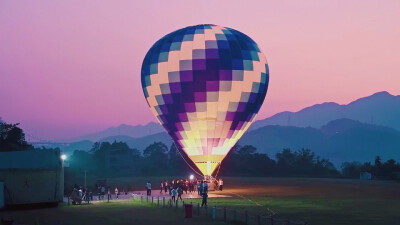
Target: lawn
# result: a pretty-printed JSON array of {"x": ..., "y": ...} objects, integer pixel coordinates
[
  {"x": 113, "y": 213},
  {"x": 317, "y": 201}
]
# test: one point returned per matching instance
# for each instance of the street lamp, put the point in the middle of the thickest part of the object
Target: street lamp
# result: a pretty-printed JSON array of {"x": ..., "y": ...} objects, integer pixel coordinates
[{"x": 63, "y": 157}]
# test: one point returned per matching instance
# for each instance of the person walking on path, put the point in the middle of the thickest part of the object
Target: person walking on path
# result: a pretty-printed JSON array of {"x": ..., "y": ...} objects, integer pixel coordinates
[
  {"x": 173, "y": 194},
  {"x": 161, "y": 186},
  {"x": 103, "y": 192},
  {"x": 204, "y": 193},
  {"x": 148, "y": 187},
  {"x": 116, "y": 193},
  {"x": 186, "y": 186},
  {"x": 166, "y": 188},
  {"x": 199, "y": 184},
  {"x": 221, "y": 184},
  {"x": 204, "y": 187},
  {"x": 180, "y": 192}
]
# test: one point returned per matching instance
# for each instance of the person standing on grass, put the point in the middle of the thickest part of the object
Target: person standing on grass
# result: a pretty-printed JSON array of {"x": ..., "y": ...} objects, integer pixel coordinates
[
  {"x": 173, "y": 194},
  {"x": 166, "y": 186},
  {"x": 80, "y": 193},
  {"x": 186, "y": 186},
  {"x": 161, "y": 186},
  {"x": 148, "y": 187},
  {"x": 204, "y": 187},
  {"x": 180, "y": 192},
  {"x": 199, "y": 184},
  {"x": 221, "y": 184},
  {"x": 102, "y": 191},
  {"x": 191, "y": 186},
  {"x": 204, "y": 193},
  {"x": 116, "y": 193}
]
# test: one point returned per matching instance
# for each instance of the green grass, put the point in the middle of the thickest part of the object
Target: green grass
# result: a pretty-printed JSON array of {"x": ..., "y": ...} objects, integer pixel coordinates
[
  {"x": 317, "y": 201},
  {"x": 319, "y": 210},
  {"x": 113, "y": 213}
]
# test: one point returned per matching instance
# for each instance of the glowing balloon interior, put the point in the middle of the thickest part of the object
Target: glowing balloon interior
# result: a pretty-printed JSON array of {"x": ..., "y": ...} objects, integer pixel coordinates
[{"x": 205, "y": 84}]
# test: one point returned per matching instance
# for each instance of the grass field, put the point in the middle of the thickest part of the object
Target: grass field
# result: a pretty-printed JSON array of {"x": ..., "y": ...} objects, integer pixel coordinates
[
  {"x": 317, "y": 201},
  {"x": 113, "y": 213}
]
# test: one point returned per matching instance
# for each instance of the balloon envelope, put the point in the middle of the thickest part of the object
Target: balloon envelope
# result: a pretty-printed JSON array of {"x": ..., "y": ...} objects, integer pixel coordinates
[{"x": 205, "y": 84}]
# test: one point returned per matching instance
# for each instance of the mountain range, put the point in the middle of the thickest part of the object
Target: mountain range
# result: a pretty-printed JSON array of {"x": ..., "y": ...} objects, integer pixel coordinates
[
  {"x": 340, "y": 140},
  {"x": 359, "y": 131},
  {"x": 380, "y": 108},
  {"x": 122, "y": 130}
]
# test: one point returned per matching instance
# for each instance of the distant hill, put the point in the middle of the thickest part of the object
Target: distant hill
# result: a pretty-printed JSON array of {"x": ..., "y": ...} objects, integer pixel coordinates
[
  {"x": 138, "y": 143},
  {"x": 142, "y": 142},
  {"x": 380, "y": 108},
  {"x": 67, "y": 148},
  {"x": 340, "y": 140},
  {"x": 123, "y": 130},
  {"x": 359, "y": 131}
]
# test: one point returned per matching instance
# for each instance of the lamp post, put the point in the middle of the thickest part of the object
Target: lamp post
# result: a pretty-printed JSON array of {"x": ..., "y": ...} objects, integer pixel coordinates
[
  {"x": 63, "y": 158},
  {"x": 85, "y": 178}
]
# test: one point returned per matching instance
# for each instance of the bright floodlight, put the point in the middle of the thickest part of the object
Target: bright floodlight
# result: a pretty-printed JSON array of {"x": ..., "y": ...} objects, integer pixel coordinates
[
  {"x": 191, "y": 177},
  {"x": 63, "y": 157}
]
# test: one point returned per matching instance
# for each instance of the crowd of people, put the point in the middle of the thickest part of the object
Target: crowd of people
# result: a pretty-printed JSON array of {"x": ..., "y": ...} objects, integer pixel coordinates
[
  {"x": 174, "y": 188},
  {"x": 180, "y": 185},
  {"x": 102, "y": 191},
  {"x": 80, "y": 194}
]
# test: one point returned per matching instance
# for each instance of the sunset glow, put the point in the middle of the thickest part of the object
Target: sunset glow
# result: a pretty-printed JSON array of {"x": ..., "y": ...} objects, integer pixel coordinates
[{"x": 73, "y": 67}]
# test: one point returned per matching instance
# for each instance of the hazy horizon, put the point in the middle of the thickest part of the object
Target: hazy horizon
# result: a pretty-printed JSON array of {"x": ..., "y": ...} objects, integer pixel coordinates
[
  {"x": 73, "y": 137},
  {"x": 72, "y": 68}
]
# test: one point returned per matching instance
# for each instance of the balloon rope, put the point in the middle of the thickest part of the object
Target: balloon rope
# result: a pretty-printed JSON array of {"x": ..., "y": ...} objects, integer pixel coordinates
[
  {"x": 219, "y": 167},
  {"x": 185, "y": 160}
]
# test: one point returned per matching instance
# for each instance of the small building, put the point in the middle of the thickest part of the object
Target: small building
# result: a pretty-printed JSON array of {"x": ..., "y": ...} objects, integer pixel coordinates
[{"x": 31, "y": 177}]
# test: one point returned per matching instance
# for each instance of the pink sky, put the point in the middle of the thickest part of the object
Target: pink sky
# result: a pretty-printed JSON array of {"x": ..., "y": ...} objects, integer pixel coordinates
[{"x": 72, "y": 67}]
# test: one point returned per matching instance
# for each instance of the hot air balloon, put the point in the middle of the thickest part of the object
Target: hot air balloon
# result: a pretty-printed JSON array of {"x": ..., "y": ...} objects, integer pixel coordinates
[{"x": 205, "y": 84}]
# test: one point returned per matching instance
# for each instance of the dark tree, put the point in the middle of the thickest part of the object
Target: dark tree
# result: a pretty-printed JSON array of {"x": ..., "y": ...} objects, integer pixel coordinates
[
  {"x": 351, "y": 169},
  {"x": 12, "y": 138},
  {"x": 303, "y": 162},
  {"x": 245, "y": 161},
  {"x": 155, "y": 159},
  {"x": 247, "y": 150},
  {"x": 156, "y": 150}
]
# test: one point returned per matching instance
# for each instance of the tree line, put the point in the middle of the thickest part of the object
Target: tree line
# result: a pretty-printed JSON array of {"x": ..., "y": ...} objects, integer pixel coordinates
[
  {"x": 12, "y": 138},
  {"x": 389, "y": 170},
  {"x": 118, "y": 159}
]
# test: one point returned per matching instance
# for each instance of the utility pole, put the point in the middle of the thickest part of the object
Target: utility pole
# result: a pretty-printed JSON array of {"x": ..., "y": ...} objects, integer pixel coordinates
[{"x": 85, "y": 178}]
